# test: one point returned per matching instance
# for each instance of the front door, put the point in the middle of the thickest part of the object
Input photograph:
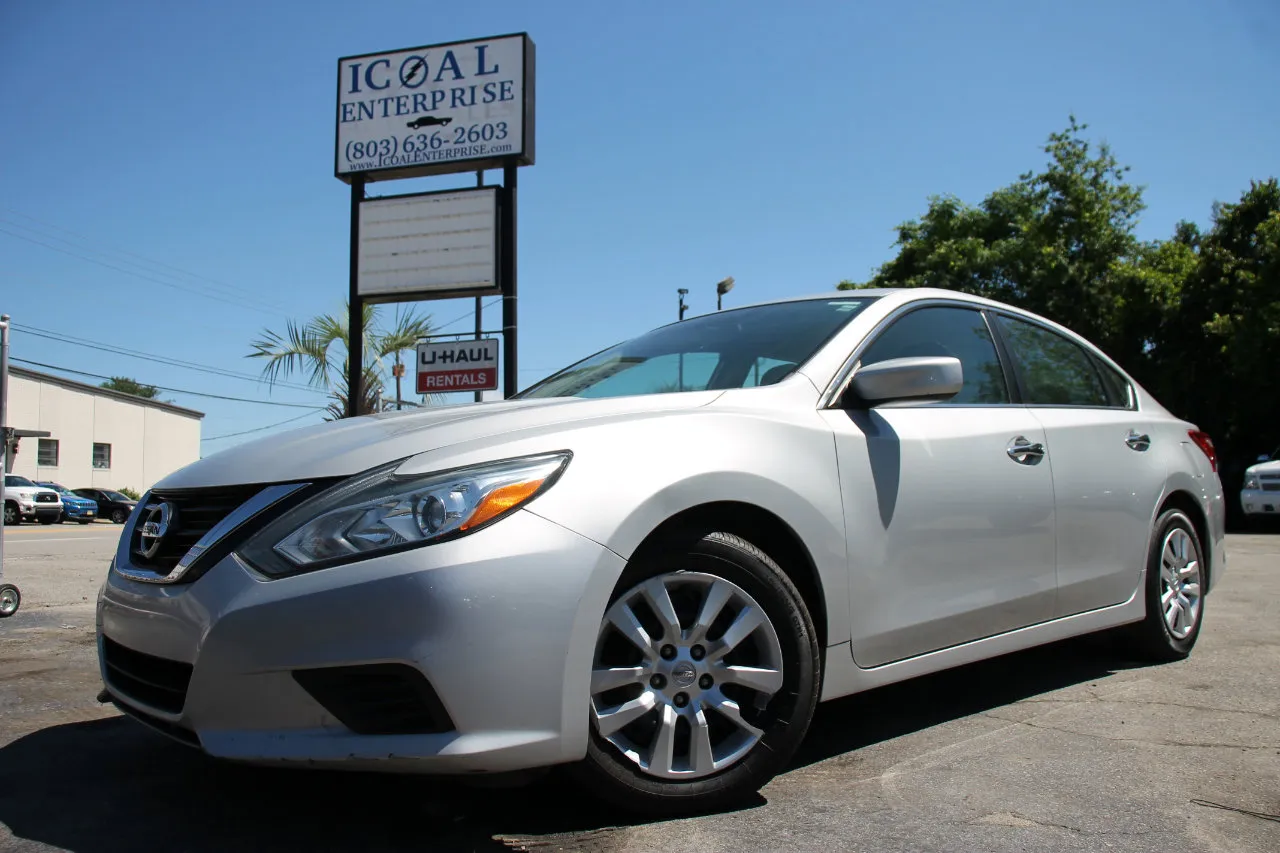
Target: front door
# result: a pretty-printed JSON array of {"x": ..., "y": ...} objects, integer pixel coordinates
[{"x": 949, "y": 510}]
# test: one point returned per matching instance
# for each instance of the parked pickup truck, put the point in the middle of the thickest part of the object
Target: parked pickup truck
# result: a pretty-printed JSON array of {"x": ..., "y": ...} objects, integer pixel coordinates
[{"x": 25, "y": 501}]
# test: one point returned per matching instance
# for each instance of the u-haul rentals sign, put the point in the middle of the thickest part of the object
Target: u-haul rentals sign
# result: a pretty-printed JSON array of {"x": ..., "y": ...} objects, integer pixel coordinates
[
  {"x": 458, "y": 366},
  {"x": 438, "y": 109}
]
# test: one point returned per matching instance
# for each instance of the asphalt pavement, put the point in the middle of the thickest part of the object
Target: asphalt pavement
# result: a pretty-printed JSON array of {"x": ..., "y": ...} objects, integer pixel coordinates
[{"x": 1069, "y": 747}]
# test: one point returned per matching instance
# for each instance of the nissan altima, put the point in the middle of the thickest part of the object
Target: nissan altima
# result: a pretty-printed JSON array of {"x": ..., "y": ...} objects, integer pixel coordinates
[{"x": 651, "y": 566}]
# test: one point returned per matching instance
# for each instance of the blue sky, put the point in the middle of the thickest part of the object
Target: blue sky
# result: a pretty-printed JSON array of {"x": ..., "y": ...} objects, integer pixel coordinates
[{"x": 192, "y": 145}]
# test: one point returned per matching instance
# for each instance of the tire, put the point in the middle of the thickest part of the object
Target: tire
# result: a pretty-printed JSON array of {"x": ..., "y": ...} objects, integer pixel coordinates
[
  {"x": 11, "y": 513},
  {"x": 119, "y": 516},
  {"x": 714, "y": 761},
  {"x": 10, "y": 600},
  {"x": 1175, "y": 542}
]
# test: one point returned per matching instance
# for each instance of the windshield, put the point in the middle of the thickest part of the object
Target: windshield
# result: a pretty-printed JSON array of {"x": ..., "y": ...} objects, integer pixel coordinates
[
  {"x": 116, "y": 496},
  {"x": 60, "y": 489},
  {"x": 741, "y": 348},
  {"x": 15, "y": 480}
]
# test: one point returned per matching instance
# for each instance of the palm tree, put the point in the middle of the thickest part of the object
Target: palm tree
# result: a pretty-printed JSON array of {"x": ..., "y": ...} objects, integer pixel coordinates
[{"x": 318, "y": 349}]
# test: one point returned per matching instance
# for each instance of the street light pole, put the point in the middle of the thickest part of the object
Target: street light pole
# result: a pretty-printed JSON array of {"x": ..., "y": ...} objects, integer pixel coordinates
[{"x": 723, "y": 286}]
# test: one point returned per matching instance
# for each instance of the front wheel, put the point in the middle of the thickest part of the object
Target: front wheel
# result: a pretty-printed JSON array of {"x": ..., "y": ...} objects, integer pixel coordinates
[
  {"x": 1174, "y": 591},
  {"x": 11, "y": 514},
  {"x": 119, "y": 516},
  {"x": 704, "y": 680}
]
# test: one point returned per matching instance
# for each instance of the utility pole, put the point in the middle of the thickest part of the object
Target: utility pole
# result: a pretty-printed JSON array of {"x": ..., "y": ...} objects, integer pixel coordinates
[
  {"x": 683, "y": 292},
  {"x": 4, "y": 422}
]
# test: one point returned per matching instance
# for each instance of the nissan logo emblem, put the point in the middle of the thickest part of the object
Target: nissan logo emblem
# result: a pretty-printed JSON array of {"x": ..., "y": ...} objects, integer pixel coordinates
[{"x": 155, "y": 526}]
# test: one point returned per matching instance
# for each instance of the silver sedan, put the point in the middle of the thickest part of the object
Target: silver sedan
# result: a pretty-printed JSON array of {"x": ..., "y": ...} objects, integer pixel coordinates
[{"x": 650, "y": 567}]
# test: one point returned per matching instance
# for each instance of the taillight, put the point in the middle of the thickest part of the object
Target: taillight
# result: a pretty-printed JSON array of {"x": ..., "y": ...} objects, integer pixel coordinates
[{"x": 1205, "y": 443}]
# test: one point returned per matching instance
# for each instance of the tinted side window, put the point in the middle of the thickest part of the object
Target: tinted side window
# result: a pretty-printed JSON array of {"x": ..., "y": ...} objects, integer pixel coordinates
[
  {"x": 957, "y": 332},
  {"x": 1054, "y": 371},
  {"x": 1119, "y": 392}
]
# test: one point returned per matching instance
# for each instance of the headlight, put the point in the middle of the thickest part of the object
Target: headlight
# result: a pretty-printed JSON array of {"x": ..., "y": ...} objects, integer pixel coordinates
[
  {"x": 377, "y": 512},
  {"x": 1251, "y": 481}
]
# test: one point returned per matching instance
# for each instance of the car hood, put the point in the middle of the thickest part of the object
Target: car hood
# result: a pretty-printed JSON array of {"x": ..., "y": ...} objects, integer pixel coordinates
[
  {"x": 344, "y": 447},
  {"x": 1272, "y": 467}
]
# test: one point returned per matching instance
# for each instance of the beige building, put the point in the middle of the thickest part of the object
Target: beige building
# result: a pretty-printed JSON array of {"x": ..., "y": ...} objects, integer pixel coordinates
[{"x": 97, "y": 439}]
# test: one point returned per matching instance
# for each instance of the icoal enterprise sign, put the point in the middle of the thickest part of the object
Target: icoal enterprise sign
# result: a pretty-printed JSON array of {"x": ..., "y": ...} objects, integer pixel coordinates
[
  {"x": 432, "y": 110},
  {"x": 458, "y": 366}
]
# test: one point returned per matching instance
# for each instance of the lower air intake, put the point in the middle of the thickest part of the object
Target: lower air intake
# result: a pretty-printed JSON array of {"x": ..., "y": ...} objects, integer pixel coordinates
[{"x": 377, "y": 699}]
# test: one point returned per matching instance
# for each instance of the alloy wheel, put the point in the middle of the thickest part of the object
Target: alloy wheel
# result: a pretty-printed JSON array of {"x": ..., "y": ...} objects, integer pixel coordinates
[
  {"x": 9, "y": 600},
  {"x": 1179, "y": 583},
  {"x": 685, "y": 666},
  {"x": 10, "y": 514}
]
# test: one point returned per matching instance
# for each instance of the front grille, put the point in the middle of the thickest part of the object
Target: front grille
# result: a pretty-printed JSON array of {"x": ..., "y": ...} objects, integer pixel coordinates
[
  {"x": 1270, "y": 487},
  {"x": 196, "y": 511},
  {"x": 158, "y": 682},
  {"x": 46, "y": 498},
  {"x": 377, "y": 699}
]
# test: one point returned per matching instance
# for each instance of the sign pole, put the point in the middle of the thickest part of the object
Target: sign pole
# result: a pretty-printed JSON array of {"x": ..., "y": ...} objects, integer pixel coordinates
[
  {"x": 479, "y": 397},
  {"x": 507, "y": 265},
  {"x": 4, "y": 423},
  {"x": 355, "y": 322}
]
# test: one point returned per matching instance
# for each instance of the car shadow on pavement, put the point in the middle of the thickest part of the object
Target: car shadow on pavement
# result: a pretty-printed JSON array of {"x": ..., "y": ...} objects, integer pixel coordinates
[
  {"x": 111, "y": 785},
  {"x": 853, "y": 722}
]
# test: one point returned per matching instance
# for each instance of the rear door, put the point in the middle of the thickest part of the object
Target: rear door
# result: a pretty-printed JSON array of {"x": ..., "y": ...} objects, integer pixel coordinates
[
  {"x": 950, "y": 528},
  {"x": 1107, "y": 478}
]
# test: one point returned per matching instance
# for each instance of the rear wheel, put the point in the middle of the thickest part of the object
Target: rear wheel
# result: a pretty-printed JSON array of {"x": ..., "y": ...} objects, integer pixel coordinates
[
  {"x": 704, "y": 681},
  {"x": 1174, "y": 591}
]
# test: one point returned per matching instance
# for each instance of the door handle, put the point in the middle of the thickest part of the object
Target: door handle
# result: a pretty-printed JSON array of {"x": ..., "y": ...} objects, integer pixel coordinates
[
  {"x": 1139, "y": 441},
  {"x": 1025, "y": 452}
]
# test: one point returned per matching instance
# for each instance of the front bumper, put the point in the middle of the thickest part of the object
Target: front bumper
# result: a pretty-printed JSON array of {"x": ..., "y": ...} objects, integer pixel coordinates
[
  {"x": 501, "y": 623},
  {"x": 40, "y": 512},
  {"x": 1259, "y": 502},
  {"x": 70, "y": 511}
]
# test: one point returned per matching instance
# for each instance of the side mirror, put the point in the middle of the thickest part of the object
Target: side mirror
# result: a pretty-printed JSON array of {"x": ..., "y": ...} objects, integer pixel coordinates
[
  {"x": 1264, "y": 458},
  {"x": 918, "y": 378}
]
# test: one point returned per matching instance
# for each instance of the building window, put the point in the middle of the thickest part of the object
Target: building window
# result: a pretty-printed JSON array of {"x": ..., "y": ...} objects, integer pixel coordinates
[
  {"x": 47, "y": 453},
  {"x": 101, "y": 456}
]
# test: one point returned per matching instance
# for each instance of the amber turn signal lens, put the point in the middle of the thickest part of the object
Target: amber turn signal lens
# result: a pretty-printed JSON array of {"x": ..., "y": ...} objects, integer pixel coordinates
[{"x": 500, "y": 500}]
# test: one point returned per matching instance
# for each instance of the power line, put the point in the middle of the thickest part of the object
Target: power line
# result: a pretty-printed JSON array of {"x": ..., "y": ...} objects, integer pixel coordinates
[
  {"x": 172, "y": 390},
  {"x": 159, "y": 359},
  {"x": 241, "y": 304},
  {"x": 222, "y": 284},
  {"x": 261, "y": 428}
]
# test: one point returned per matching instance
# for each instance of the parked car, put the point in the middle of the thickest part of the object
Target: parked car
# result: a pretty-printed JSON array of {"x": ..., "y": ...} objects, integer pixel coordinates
[
  {"x": 1260, "y": 497},
  {"x": 74, "y": 507},
  {"x": 25, "y": 501},
  {"x": 652, "y": 565},
  {"x": 111, "y": 504}
]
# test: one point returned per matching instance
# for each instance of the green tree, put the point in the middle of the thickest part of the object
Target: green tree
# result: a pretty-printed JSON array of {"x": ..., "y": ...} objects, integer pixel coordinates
[
  {"x": 125, "y": 385},
  {"x": 1220, "y": 350},
  {"x": 317, "y": 349},
  {"x": 1059, "y": 242}
]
